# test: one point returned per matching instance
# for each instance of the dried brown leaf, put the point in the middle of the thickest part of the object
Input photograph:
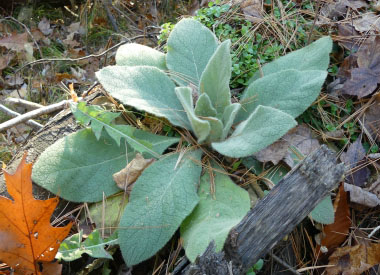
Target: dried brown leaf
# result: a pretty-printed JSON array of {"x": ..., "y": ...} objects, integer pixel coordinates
[
  {"x": 252, "y": 9},
  {"x": 274, "y": 152},
  {"x": 354, "y": 260},
  {"x": 371, "y": 119},
  {"x": 300, "y": 138},
  {"x": 15, "y": 41},
  {"x": 358, "y": 195},
  {"x": 128, "y": 175},
  {"x": 353, "y": 158},
  {"x": 336, "y": 233},
  {"x": 44, "y": 26},
  {"x": 363, "y": 81},
  {"x": 368, "y": 22}
]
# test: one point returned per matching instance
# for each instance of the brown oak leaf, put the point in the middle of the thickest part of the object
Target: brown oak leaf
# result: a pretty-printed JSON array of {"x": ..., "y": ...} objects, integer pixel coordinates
[{"x": 26, "y": 236}]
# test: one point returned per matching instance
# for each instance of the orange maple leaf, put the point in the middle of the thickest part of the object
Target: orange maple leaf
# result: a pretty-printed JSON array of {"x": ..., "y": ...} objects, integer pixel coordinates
[{"x": 26, "y": 235}]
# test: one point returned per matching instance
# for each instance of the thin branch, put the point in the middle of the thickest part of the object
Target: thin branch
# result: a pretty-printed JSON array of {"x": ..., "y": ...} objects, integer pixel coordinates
[
  {"x": 314, "y": 22},
  {"x": 23, "y": 102},
  {"x": 109, "y": 14},
  {"x": 284, "y": 264},
  {"x": 9, "y": 112},
  {"x": 35, "y": 113},
  {"x": 45, "y": 60}
]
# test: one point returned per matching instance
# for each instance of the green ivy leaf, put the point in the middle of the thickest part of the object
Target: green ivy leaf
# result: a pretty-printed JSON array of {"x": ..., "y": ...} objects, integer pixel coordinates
[
  {"x": 146, "y": 88},
  {"x": 290, "y": 91},
  {"x": 79, "y": 167},
  {"x": 190, "y": 46},
  {"x": 72, "y": 248},
  {"x": 204, "y": 107},
  {"x": 263, "y": 127},
  {"x": 133, "y": 54},
  {"x": 312, "y": 57},
  {"x": 100, "y": 119},
  {"x": 201, "y": 128},
  {"x": 214, "y": 216},
  {"x": 215, "y": 79},
  {"x": 162, "y": 197}
]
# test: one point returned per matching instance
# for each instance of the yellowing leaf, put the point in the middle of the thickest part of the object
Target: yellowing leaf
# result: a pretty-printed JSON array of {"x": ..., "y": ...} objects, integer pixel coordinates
[{"x": 26, "y": 235}]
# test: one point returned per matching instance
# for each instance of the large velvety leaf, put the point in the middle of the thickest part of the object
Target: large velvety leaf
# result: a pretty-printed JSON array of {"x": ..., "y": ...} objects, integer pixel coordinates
[
  {"x": 163, "y": 196},
  {"x": 27, "y": 237},
  {"x": 146, "y": 88},
  {"x": 133, "y": 54},
  {"x": 215, "y": 215},
  {"x": 79, "y": 167},
  {"x": 201, "y": 128},
  {"x": 290, "y": 91},
  {"x": 190, "y": 46},
  {"x": 312, "y": 57},
  {"x": 215, "y": 80},
  {"x": 262, "y": 128},
  {"x": 204, "y": 107},
  {"x": 100, "y": 119}
]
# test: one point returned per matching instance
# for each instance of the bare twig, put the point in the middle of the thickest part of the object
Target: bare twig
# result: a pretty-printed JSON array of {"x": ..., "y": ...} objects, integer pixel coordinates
[
  {"x": 106, "y": 5},
  {"x": 89, "y": 89},
  {"x": 284, "y": 264},
  {"x": 374, "y": 231},
  {"x": 23, "y": 102},
  {"x": 9, "y": 112},
  {"x": 35, "y": 113},
  {"x": 45, "y": 60},
  {"x": 314, "y": 22}
]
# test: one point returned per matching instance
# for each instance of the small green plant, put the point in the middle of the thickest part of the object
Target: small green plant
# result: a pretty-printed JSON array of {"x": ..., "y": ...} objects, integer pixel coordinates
[
  {"x": 257, "y": 267},
  {"x": 189, "y": 86}
]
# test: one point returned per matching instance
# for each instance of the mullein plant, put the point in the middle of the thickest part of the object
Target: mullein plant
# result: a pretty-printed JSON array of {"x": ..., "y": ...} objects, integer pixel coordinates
[{"x": 189, "y": 86}]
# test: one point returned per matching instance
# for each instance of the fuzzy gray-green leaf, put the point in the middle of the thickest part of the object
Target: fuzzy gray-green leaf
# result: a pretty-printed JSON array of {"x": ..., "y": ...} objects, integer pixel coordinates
[
  {"x": 190, "y": 46},
  {"x": 133, "y": 54},
  {"x": 162, "y": 197},
  {"x": 146, "y": 88},
  {"x": 201, "y": 128},
  {"x": 324, "y": 211},
  {"x": 215, "y": 215},
  {"x": 216, "y": 129},
  {"x": 79, "y": 167},
  {"x": 290, "y": 91},
  {"x": 215, "y": 79},
  {"x": 263, "y": 127},
  {"x": 204, "y": 107},
  {"x": 229, "y": 115},
  {"x": 312, "y": 57}
]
